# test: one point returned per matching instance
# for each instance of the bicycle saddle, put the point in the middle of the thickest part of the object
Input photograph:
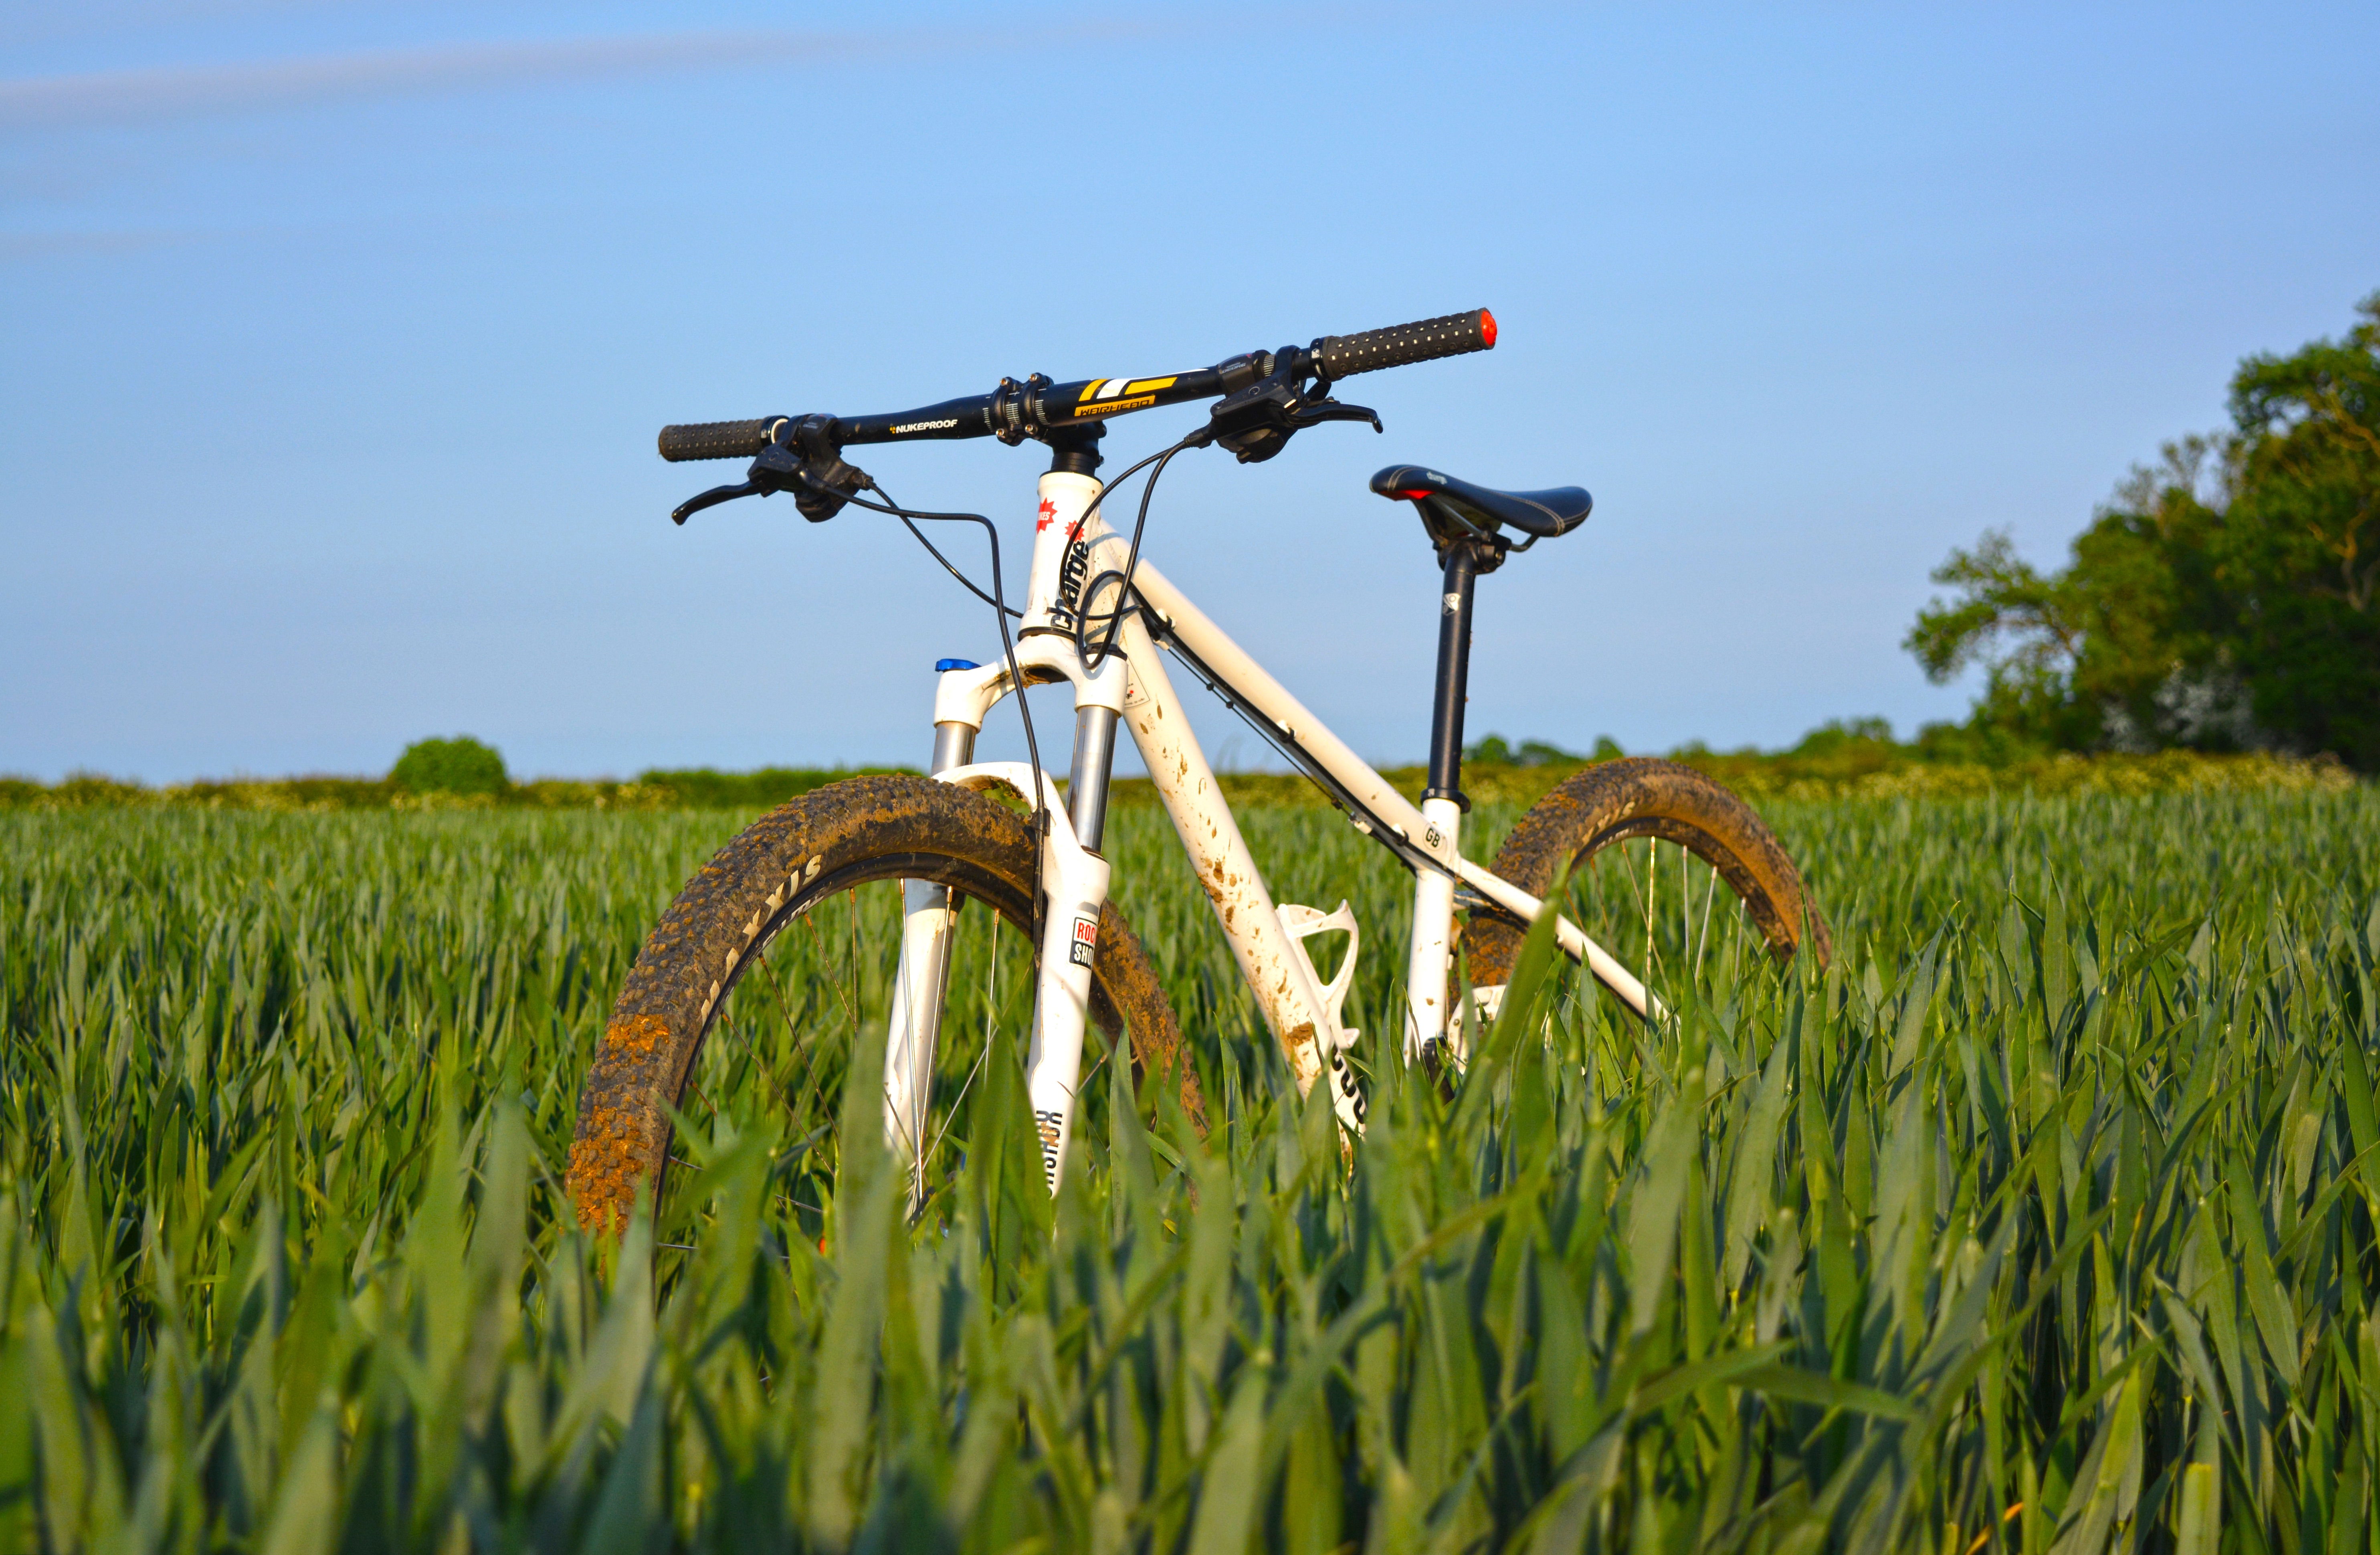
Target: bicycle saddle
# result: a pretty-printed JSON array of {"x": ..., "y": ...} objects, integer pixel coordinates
[{"x": 1541, "y": 513}]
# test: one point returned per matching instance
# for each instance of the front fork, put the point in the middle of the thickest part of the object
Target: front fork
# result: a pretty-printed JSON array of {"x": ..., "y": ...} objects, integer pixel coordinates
[
  {"x": 1074, "y": 876},
  {"x": 1073, "y": 892}
]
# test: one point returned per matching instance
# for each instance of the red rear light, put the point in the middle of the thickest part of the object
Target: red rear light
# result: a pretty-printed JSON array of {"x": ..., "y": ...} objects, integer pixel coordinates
[
  {"x": 1488, "y": 328},
  {"x": 1414, "y": 495}
]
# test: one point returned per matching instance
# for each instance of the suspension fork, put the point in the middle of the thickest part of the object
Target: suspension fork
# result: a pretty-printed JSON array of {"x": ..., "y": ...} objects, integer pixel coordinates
[
  {"x": 1073, "y": 874},
  {"x": 914, "y": 1024},
  {"x": 1074, "y": 894}
]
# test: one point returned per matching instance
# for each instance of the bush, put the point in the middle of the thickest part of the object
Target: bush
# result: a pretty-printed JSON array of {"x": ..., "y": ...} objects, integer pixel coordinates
[
  {"x": 1496, "y": 751},
  {"x": 461, "y": 765},
  {"x": 709, "y": 788}
]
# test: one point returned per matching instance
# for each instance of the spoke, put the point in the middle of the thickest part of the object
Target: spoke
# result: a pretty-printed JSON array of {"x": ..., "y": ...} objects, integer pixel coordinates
[
  {"x": 810, "y": 1080},
  {"x": 849, "y": 1013},
  {"x": 811, "y": 1074},
  {"x": 1644, "y": 884},
  {"x": 1702, "y": 943},
  {"x": 705, "y": 1098},
  {"x": 1628, "y": 870},
  {"x": 775, "y": 1084},
  {"x": 1084, "y": 1084},
  {"x": 785, "y": 1005},
  {"x": 992, "y": 1012},
  {"x": 841, "y": 976},
  {"x": 851, "y": 966},
  {"x": 951, "y": 1115},
  {"x": 1652, "y": 900}
]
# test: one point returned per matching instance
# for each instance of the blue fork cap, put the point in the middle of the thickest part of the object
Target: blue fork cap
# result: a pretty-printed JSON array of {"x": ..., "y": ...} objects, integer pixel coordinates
[{"x": 945, "y": 665}]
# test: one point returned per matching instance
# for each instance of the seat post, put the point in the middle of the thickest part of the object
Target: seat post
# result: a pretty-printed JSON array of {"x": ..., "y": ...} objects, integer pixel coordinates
[{"x": 1466, "y": 560}]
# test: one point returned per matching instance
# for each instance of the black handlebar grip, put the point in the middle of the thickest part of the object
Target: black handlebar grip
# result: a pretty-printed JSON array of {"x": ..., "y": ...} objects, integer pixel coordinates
[
  {"x": 718, "y": 440},
  {"x": 1343, "y": 356}
]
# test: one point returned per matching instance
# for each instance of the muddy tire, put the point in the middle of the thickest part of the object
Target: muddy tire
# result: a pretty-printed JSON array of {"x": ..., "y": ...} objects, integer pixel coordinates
[
  {"x": 828, "y": 842},
  {"x": 1638, "y": 797}
]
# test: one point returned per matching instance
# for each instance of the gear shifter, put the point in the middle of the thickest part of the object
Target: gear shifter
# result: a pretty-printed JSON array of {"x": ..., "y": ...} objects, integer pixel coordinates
[{"x": 1259, "y": 421}]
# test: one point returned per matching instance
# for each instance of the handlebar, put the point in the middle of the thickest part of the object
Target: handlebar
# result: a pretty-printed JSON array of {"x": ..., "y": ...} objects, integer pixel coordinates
[{"x": 1037, "y": 408}]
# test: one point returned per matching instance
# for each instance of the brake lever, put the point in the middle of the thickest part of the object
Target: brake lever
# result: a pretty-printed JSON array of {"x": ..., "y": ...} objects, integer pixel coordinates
[
  {"x": 712, "y": 498},
  {"x": 1318, "y": 411}
]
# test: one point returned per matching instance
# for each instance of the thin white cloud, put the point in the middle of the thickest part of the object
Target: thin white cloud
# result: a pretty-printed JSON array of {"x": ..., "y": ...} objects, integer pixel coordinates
[{"x": 115, "y": 96}]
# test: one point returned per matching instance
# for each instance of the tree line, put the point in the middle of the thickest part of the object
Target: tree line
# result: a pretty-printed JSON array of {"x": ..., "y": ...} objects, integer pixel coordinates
[{"x": 2225, "y": 598}]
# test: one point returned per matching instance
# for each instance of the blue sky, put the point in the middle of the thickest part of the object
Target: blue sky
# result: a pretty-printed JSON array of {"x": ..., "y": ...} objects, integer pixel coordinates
[{"x": 336, "y": 337}]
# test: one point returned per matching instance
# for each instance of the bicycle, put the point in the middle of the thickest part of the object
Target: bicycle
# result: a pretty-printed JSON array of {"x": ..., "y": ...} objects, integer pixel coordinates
[{"x": 1095, "y": 615}]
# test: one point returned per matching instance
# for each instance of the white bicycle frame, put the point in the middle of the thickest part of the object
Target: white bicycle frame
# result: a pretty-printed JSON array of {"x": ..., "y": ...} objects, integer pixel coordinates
[{"x": 1072, "y": 543}]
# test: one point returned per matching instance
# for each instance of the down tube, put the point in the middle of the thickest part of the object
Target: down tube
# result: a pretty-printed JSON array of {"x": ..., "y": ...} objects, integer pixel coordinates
[{"x": 1227, "y": 871}]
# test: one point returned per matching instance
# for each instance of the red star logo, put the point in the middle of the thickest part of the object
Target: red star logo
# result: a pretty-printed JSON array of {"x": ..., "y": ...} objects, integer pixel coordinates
[{"x": 1048, "y": 511}]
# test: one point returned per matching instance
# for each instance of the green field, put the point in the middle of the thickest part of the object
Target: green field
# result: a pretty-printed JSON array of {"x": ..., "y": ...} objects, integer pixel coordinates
[{"x": 2044, "y": 1219}]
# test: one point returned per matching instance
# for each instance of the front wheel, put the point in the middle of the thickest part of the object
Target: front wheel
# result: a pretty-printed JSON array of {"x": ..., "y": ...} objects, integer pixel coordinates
[
  {"x": 780, "y": 954},
  {"x": 1651, "y": 849}
]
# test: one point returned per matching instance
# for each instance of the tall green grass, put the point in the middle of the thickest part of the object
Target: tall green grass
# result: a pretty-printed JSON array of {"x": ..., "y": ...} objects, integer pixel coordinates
[{"x": 2043, "y": 1219}]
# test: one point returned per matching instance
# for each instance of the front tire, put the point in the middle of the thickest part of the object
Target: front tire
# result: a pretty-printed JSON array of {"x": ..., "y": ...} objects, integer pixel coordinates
[{"x": 829, "y": 842}]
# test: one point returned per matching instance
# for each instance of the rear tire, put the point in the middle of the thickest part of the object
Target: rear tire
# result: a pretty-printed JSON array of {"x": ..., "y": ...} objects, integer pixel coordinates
[
  {"x": 1638, "y": 797},
  {"x": 828, "y": 842}
]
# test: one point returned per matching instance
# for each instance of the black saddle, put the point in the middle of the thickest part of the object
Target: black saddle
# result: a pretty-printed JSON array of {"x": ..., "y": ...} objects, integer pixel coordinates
[{"x": 1541, "y": 515}]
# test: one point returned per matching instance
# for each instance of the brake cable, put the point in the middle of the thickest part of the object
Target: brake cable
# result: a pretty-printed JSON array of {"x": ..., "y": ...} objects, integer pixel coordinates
[
  {"x": 1115, "y": 618},
  {"x": 998, "y": 599},
  {"x": 965, "y": 581}
]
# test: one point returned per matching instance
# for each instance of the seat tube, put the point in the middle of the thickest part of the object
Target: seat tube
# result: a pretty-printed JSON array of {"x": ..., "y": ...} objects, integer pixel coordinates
[
  {"x": 1443, "y": 806},
  {"x": 1427, "y": 974},
  {"x": 914, "y": 1022}
]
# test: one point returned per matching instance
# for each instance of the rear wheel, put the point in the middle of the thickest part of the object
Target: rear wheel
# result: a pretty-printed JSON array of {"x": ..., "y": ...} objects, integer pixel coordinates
[
  {"x": 1667, "y": 870},
  {"x": 780, "y": 954}
]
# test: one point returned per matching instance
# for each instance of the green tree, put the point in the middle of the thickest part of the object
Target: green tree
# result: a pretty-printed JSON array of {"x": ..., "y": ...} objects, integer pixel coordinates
[
  {"x": 2224, "y": 598},
  {"x": 2298, "y": 563},
  {"x": 2027, "y": 628},
  {"x": 461, "y": 765}
]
